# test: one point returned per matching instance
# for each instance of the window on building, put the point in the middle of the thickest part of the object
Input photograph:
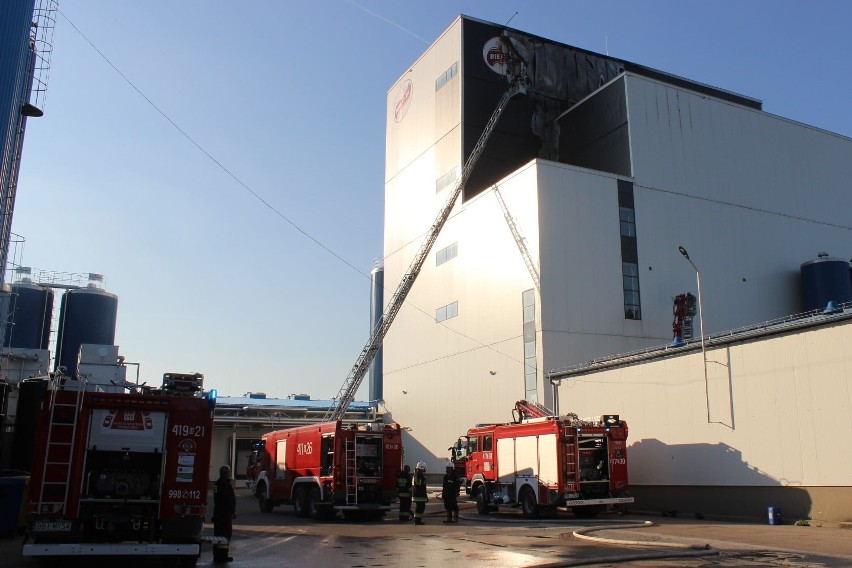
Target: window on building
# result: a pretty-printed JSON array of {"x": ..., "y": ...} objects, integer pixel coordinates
[
  {"x": 629, "y": 251},
  {"x": 628, "y": 222},
  {"x": 530, "y": 362},
  {"x": 447, "y": 312},
  {"x": 446, "y": 76},
  {"x": 446, "y": 254},
  {"x": 446, "y": 180},
  {"x": 630, "y": 277}
]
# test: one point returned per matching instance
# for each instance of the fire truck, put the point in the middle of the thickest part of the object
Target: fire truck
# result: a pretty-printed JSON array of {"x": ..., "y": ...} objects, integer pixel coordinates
[
  {"x": 328, "y": 467},
  {"x": 120, "y": 473},
  {"x": 540, "y": 462}
]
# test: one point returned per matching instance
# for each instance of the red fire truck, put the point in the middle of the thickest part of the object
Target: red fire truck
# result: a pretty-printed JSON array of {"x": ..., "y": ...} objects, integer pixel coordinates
[
  {"x": 120, "y": 473},
  {"x": 328, "y": 467},
  {"x": 541, "y": 463}
]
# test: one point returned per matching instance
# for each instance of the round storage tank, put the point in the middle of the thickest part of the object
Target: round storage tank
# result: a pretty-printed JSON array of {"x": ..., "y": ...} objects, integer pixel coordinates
[
  {"x": 30, "y": 312},
  {"x": 86, "y": 315},
  {"x": 377, "y": 302},
  {"x": 825, "y": 279}
]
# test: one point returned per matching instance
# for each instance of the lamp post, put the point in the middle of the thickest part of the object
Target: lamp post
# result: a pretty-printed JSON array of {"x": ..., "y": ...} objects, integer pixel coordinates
[{"x": 701, "y": 324}]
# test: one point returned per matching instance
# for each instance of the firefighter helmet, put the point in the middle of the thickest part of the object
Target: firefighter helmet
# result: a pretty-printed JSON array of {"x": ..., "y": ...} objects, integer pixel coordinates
[
  {"x": 450, "y": 465},
  {"x": 421, "y": 466}
]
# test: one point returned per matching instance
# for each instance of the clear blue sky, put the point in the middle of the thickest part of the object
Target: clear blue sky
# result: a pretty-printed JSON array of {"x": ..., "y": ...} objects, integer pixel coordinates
[{"x": 289, "y": 97}]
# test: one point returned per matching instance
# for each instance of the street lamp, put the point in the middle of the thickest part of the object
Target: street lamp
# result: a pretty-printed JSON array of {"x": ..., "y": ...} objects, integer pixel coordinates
[{"x": 701, "y": 323}]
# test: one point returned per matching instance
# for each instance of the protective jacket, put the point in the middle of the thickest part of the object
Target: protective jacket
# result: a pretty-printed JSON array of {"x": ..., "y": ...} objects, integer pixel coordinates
[
  {"x": 451, "y": 486},
  {"x": 420, "y": 487},
  {"x": 403, "y": 484}
]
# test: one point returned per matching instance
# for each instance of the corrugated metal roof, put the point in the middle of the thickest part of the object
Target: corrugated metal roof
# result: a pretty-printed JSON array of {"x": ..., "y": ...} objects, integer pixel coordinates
[{"x": 285, "y": 403}]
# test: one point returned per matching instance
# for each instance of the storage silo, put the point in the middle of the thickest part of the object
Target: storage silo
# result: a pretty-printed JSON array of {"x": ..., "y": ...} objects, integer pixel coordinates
[
  {"x": 86, "y": 315},
  {"x": 30, "y": 312},
  {"x": 16, "y": 56},
  {"x": 377, "y": 306},
  {"x": 825, "y": 279}
]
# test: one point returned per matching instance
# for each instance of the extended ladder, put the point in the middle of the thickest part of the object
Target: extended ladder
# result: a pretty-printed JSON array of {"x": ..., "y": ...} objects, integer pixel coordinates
[
  {"x": 351, "y": 473},
  {"x": 519, "y": 240},
  {"x": 347, "y": 392},
  {"x": 59, "y": 450}
]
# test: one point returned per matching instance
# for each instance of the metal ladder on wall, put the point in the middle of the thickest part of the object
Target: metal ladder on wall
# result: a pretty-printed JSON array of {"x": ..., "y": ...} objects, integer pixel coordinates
[
  {"x": 59, "y": 450},
  {"x": 351, "y": 473}
]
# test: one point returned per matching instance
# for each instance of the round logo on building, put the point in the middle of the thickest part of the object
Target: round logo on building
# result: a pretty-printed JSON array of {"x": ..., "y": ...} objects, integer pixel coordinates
[
  {"x": 495, "y": 55},
  {"x": 402, "y": 100}
]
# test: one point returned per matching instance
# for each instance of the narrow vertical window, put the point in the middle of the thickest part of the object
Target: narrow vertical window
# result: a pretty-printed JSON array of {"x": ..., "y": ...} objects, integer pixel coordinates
[
  {"x": 529, "y": 335},
  {"x": 629, "y": 251}
]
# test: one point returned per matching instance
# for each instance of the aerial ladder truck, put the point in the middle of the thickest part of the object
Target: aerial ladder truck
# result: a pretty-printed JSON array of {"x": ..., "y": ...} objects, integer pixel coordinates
[{"x": 343, "y": 487}]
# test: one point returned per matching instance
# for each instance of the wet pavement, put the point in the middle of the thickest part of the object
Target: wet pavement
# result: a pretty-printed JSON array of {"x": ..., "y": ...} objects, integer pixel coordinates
[{"x": 280, "y": 539}]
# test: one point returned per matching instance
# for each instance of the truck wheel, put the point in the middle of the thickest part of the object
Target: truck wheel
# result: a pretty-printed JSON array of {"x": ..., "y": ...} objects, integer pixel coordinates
[
  {"x": 300, "y": 505},
  {"x": 314, "y": 509},
  {"x": 529, "y": 505},
  {"x": 263, "y": 502},
  {"x": 481, "y": 498}
]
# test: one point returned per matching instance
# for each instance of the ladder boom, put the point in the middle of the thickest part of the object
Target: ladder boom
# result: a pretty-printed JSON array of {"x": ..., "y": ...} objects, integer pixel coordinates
[
  {"x": 519, "y": 240},
  {"x": 362, "y": 363}
]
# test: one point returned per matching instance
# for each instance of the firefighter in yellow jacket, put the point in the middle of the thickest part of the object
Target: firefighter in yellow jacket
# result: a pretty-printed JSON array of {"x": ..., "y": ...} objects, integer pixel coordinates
[{"x": 419, "y": 493}]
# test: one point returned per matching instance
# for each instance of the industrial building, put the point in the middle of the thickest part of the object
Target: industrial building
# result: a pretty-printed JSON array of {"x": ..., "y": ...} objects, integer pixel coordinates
[{"x": 569, "y": 245}]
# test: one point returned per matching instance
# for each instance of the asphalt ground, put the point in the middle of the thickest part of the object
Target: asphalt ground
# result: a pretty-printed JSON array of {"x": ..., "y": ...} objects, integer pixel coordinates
[{"x": 280, "y": 539}]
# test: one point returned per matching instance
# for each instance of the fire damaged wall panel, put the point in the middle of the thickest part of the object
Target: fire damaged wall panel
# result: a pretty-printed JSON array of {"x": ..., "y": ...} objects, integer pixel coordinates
[
  {"x": 594, "y": 133},
  {"x": 559, "y": 77}
]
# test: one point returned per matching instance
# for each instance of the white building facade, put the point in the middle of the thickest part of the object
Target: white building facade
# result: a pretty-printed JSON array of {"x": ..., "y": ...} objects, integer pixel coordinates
[{"x": 605, "y": 168}]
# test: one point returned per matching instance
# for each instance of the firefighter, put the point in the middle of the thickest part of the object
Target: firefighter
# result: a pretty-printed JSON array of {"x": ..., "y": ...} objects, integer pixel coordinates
[
  {"x": 450, "y": 493},
  {"x": 419, "y": 494},
  {"x": 224, "y": 513},
  {"x": 403, "y": 491}
]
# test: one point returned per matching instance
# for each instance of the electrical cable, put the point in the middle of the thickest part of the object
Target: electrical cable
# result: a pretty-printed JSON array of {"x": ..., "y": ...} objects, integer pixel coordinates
[{"x": 259, "y": 197}]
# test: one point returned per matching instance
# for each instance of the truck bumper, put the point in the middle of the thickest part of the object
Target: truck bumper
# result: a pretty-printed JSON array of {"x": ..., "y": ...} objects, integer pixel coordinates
[
  {"x": 368, "y": 507},
  {"x": 605, "y": 501}
]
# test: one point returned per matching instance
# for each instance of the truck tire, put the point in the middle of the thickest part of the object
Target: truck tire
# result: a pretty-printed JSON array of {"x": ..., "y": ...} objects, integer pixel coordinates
[
  {"x": 314, "y": 508},
  {"x": 480, "y": 495},
  {"x": 529, "y": 504},
  {"x": 263, "y": 502},
  {"x": 300, "y": 502}
]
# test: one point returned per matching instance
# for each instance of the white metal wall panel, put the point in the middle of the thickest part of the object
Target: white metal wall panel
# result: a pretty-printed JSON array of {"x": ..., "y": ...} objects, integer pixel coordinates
[
  {"x": 790, "y": 426},
  {"x": 701, "y": 147},
  {"x": 459, "y": 354},
  {"x": 750, "y": 195}
]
